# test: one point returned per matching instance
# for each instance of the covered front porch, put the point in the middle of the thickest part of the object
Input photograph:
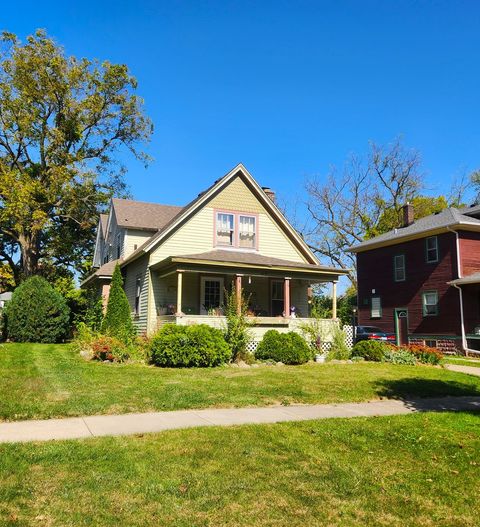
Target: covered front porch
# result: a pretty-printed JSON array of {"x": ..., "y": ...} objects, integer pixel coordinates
[{"x": 191, "y": 290}]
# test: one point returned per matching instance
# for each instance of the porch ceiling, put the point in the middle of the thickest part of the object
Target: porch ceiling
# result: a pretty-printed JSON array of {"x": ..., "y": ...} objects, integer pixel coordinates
[{"x": 236, "y": 262}]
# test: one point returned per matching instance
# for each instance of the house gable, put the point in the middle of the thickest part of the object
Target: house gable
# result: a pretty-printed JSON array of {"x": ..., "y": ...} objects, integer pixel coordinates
[{"x": 237, "y": 195}]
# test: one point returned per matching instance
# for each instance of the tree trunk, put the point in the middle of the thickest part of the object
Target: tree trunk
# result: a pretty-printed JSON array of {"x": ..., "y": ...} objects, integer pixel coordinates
[{"x": 29, "y": 248}]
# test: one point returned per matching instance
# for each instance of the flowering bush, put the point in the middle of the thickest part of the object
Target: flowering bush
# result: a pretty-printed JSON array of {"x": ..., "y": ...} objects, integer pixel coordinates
[
  {"x": 425, "y": 354},
  {"x": 109, "y": 348}
]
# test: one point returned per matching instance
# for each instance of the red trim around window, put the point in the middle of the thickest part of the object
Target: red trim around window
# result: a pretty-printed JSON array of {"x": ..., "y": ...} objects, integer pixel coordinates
[{"x": 236, "y": 232}]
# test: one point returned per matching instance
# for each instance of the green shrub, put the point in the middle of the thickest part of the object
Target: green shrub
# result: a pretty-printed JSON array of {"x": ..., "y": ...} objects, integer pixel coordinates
[
  {"x": 372, "y": 350},
  {"x": 400, "y": 356},
  {"x": 339, "y": 349},
  {"x": 118, "y": 321},
  {"x": 289, "y": 348},
  {"x": 186, "y": 346},
  {"x": 36, "y": 313}
]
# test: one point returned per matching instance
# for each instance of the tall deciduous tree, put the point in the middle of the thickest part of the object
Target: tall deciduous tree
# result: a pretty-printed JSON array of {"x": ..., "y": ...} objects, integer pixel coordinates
[
  {"x": 62, "y": 120},
  {"x": 365, "y": 201}
]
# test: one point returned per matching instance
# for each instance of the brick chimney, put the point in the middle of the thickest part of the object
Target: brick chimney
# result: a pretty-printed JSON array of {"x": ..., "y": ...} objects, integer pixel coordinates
[
  {"x": 269, "y": 192},
  {"x": 408, "y": 215}
]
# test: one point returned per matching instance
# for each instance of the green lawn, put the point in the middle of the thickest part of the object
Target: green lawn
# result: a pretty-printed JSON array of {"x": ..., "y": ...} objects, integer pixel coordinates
[
  {"x": 41, "y": 381},
  {"x": 415, "y": 470}
]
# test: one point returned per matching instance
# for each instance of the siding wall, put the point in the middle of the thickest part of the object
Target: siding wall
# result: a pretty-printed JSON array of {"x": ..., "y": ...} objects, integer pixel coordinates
[
  {"x": 470, "y": 252},
  {"x": 138, "y": 268},
  {"x": 375, "y": 271},
  {"x": 134, "y": 237},
  {"x": 197, "y": 235}
]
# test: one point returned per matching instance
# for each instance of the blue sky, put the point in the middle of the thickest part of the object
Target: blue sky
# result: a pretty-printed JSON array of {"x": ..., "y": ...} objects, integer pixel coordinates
[{"x": 287, "y": 88}]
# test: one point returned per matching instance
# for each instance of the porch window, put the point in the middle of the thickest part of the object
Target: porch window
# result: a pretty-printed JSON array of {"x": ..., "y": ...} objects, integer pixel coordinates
[
  {"x": 376, "y": 307},
  {"x": 247, "y": 232},
  {"x": 225, "y": 229},
  {"x": 399, "y": 268},
  {"x": 430, "y": 303},
  {"x": 138, "y": 291},
  {"x": 278, "y": 298},
  {"x": 432, "y": 249}
]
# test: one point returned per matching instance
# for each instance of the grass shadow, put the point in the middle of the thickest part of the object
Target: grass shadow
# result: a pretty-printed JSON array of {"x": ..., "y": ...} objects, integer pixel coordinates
[{"x": 431, "y": 394}]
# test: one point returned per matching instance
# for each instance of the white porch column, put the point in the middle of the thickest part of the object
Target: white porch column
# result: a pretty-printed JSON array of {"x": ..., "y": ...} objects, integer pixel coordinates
[
  {"x": 286, "y": 294},
  {"x": 179, "y": 292},
  {"x": 238, "y": 291},
  {"x": 334, "y": 299}
]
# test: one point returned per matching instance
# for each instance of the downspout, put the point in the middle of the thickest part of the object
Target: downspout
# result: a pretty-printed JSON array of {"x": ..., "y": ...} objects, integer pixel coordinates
[{"x": 460, "y": 295}]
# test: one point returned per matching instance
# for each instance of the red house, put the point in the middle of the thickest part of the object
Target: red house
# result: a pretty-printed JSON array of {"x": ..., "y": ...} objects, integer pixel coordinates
[{"x": 422, "y": 280}]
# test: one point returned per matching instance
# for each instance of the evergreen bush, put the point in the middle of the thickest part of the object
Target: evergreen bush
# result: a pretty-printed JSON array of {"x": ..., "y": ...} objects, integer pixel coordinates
[
  {"x": 186, "y": 346},
  {"x": 36, "y": 313},
  {"x": 372, "y": 350},
  {"x": 118, "y": 321},
  {"x": 289, "y": 348}
]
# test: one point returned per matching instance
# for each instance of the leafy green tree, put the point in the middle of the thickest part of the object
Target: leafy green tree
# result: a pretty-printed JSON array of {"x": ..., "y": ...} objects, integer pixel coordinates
[
  {"x": 392, "y": 218},
  {"x": 37, "y": 313},
  {"x": 118, "y": 321},
  {"x": 62, "y": 121}
]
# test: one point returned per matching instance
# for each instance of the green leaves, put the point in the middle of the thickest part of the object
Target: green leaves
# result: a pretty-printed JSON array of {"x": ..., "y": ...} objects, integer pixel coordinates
[{"x": 62, "y": 122}]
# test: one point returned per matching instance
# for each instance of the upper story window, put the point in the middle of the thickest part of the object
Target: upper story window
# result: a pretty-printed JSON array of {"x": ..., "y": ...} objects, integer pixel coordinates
[
  {"x": 430, "y": 303},
  {"x": 247, "y": 227},
  {"x": 119, "y": 245},
  {"x": 236, "y": 230},
  {"x": 431, "y": 249},
  {"x": 225, "y": 229},
  {"x": 399, "y": 274}
]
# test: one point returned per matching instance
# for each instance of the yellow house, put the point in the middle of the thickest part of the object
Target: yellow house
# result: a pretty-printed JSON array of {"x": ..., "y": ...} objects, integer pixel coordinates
[{"x": 178, "y": 261}]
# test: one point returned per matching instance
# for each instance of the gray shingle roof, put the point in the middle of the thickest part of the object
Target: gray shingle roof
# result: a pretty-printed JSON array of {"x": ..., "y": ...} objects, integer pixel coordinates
[
  {"x": 103, "y": 223},
  {"x": 143, "y": 215},
  {"x": 447, "y": 218},
  {"x": 105, "y": 271}
]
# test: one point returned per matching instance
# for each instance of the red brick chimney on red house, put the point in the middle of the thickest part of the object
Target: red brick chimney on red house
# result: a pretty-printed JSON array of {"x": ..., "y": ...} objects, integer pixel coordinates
[{"x": 408, "y": 215}]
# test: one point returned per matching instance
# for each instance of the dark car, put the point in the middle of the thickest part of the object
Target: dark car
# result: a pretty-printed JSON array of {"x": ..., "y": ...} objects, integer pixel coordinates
[{"x": 373, "y": 333}]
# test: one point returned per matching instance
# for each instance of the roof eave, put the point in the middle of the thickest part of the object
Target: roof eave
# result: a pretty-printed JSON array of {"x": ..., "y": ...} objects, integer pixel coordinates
[
  {"x": 267, "y": 202},
  {"x": 274, "y": 267},
  {"x": 406, "y": 238}
]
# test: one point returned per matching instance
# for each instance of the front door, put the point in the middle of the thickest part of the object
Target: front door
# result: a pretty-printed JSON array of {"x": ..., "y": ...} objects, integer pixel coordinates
[
  {"x": 211, "y": 294},
  {"x": 401, "y": 326}
]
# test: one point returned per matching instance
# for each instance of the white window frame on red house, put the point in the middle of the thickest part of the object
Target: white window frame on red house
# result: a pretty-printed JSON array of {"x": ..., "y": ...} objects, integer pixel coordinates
[{"x": 236, "y": 234}]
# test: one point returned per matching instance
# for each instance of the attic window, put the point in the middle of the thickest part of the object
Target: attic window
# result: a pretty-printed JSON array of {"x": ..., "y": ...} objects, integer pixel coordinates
[
  {"x": 225, "y": 229},
  {"x": 247, "y": 232},
  {"x": 235, "y": 229}
]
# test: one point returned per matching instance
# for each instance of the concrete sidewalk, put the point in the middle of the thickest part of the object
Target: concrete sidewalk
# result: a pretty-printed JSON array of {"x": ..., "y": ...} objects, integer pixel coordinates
[
  {"x": 469, "y": 370},
  {"x": 128, "y": 424}
]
